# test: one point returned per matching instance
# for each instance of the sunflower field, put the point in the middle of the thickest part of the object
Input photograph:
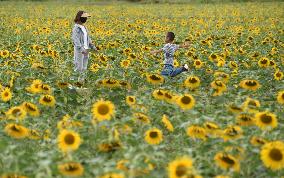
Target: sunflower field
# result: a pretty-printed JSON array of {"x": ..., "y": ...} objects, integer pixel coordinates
[{"x": 223, "y": 118}]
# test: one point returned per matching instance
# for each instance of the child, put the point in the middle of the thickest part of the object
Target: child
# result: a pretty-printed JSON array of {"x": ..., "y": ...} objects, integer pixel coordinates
[{"x": 169, "y": 50}]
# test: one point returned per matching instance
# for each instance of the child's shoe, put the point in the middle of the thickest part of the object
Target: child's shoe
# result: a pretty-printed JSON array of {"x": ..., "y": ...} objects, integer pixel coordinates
[{"x": 185, "y": 66}]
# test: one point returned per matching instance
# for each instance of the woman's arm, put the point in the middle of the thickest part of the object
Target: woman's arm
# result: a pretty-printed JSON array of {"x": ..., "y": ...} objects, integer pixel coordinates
[{"x": 91, "y": 45}]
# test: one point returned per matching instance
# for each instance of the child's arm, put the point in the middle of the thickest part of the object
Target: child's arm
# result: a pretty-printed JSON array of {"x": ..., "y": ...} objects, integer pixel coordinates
[
  {"x": 184, "y": 45},
  {"x": 156, "y": 51}
]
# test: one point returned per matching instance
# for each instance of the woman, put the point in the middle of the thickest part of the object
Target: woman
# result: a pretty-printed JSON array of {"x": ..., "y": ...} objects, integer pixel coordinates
[{"x": 82, "y": 42}]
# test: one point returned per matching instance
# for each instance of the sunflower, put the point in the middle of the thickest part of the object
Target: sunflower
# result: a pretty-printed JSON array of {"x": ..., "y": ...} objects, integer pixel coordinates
[
  {"x": 122, "y": 165},
  {"x": 71, "y": 169},
  {"x": 196, "y": 132},
  {"x": 278, "y": 75},
  {"x": 167, "y": 123},
  {"x": 5, "y": 53},
  {"x": 45, "y": 88},
  {"x": 130, "y": 100},
  {"x": 47, "y": 100},
  {"x": 213, "y": 57},
  {"x": 263, "y": 62},
  {"x": 95, "y": 67},
  {"x": 125, "y": 84},
  {"x": 265, "y": 120},
  {"x": 185, "y": 101},
  {"x": 170, "y": 97},
  {"x": 235, "y": 109},
  {"x": 227, "y": 161},
  {"x": 111, "y": 83},
  {"x": 35, "y": 86},
  {"x": 16, "y": 131},
  {"x": 158, "y": 94},
  {"x": 233, "y": 65},
  {"x": 257, "y": 141},
  {"x": 222, "y": 176},
  {"x": 125, "y": 63},
  {"x": 250, "y": 84},
  {"x": 68, "y": 140},
  {"x": 224, "y": 77},
  {"x": 155, "y": 79},
  {"x": 62, "y": 85},
  {"x": 112, "y": 175},
  {"x": 232, "y": 132},
  {"x": 6, "y": 94},
  {"x": 16, "y": 112},
  {"x": 141, "y": 117},
  {"x": 251, "y": 105},
  {"x": 180, "y": 168},
  {"x": 280, "y": 97},
  {"x": 153, "y": 136},
  {"x": 245, "y": 120},
  {"x": 103, "y": 110},
  {"x": 110, "y": 147},
  {"x": 103, "y": 58},
  {"x": 197, "y": 64},
  {"x": 272, "y": 155},
  {"x": 219, "y": 85},
  {"x": 192, "y": 82},
  {"x": 34, "y": 134},
  {"x": 237, "y": 151},
  {"x": 31, "y": 109},
  {"x": 12, "y": 176},
  {"x": 212, "y": 128}
]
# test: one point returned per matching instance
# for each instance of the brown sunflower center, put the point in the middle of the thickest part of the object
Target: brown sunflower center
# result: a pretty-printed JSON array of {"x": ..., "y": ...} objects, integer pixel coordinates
[
  {"x": 266, "y": 119},
  {"x": 30, "y": 107},
  {"x": 197, "y": 63},
  {"x": 282, "y": 96},
  {"x": 181, "y": 171},
  {"x": 210, "y": 126},
  {"x": 260, "y": 141},
  {"x": 142, "y": 118},
  {"x": 45, "y": 87},
  {"x": 252, "y": 103},
  {"x": 154, "y": 77},
  {"x": 168, "y": 96},
  {"x": 245, "y": 118},
  {"x": 16, "y": 112},
  {"x": 160, "y": 93},
  {"x": 228, "y": 160},
  {"x": 276, "y": 154},
  {"x": 185, "y": 100},
  {"x": 131, "y": 99},
  {"x": 123, "y": 83},
  {"x": 15, "y": 128},
  {"x": 153, "y": 134},
  {"x": 264, "y": 61},
  {"x": 192, "y": 80},
  {"x": 251, "y": 83},
  {"x": 69, "y": 139},
  {"x": 278, "y": 75},
  {"x": 103, "y": 109},
  {"x": 110, "y": 81},
  {"x": 213, "y": 56},
  {"x": 218, "y": 83},
  {"x": 71, "y": 168},
  {"x": 6, "y": 94},
  {"x": 37, "y": 85},
  {"x": 63, "y": 84},
  {"x": 47, "y": 99}
]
